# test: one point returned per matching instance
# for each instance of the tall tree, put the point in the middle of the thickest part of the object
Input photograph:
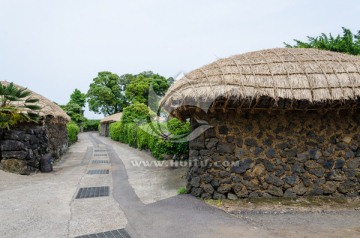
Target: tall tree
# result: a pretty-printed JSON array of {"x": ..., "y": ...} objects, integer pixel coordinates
[
  {"x": 75, "y": 107},
  {"x": 347, "y": 43},
  {"x": 138, "y": 89},
  {"x": 75, "y": 112},
  {"x": 107, "y": 93},
  {"x": 78, "y": 98}
]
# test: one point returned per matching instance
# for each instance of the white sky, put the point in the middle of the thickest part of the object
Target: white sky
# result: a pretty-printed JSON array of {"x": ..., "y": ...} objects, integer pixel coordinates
[{"x": 53, "y": 47}]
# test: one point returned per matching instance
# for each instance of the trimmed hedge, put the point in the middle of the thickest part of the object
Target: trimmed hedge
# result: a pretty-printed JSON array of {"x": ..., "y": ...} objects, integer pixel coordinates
[
  {"x": 152, "y": 137},
  {"x": 91, "y": 125},
  {"x": 73, "y": 131},
  {"x": 114, "y": 131},
  {"x": 135, "y": 130}
]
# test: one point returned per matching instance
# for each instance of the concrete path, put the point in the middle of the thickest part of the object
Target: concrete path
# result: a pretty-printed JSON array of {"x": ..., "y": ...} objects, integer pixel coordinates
[
  {"x": 169, "y": 215},
  {"x": 142, "y": 202},
  {"x": 142, "y": 199}
]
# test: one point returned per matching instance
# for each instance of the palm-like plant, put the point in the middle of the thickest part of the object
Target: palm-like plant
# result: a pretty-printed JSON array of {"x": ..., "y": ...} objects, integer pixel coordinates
[{"x": 16, "y": 106}]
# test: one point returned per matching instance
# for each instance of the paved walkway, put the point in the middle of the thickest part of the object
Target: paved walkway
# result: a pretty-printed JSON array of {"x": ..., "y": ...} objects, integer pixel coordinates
[{"x": 142, "y": 201}]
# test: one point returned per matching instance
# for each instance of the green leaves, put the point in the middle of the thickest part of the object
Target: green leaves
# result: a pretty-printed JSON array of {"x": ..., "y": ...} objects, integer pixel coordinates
[
  {"x": 16, "y": 106},
  {"x": 107, "y": 93},
  {"x": 78, "y": 98},
  {"x": 73, "y": 131},
  {"x": 33, "y": 107},
  {"x": 138, "y": 89},
  {"x": 347, "y": 43}
]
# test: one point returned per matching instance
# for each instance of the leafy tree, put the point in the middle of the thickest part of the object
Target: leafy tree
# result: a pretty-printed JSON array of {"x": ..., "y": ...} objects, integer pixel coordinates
[
  {"x": 137, "y": 90},
  {"x": 107, "y": 93},
  {"x": 17, "y": 106},
  {"x": 136, "y": 113},
  {"x": 91, "y": 125},
  {"x": 75, "y": 112},
  {"x": 78, "y": 97},
  {"x": 347, "y": 43},
  {"x": 75, "y": 107}
]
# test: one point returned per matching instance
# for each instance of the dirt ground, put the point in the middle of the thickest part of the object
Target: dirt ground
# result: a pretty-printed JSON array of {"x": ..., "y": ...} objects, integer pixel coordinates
[{"x": 302, "y": 217}]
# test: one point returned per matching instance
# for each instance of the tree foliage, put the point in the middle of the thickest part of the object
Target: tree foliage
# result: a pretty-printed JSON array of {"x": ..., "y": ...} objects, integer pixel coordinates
[
  {"x": 17, "y": 106},
  {"x": 347, "y": 43},
  {"x": 78, "y": 98},
  {"x": 138, "y": 89},
  {"x": 75, "y": 112},
  {"x": 110, "y": 93},
  {"x": 107, "y": 93},
  {"x": 75, "y": 107},
  {"x": 73, "y": 131},
  {"x": 136, "y": 113}
]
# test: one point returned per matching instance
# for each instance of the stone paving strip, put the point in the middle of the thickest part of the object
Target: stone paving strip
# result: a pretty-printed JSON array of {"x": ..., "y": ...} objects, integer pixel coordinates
[
  {"x": 122, "y": 233},
  {"x": 164, "y": 182},
  {"x": 98, "y": 171},
  {"x": 94, "y": 211}
]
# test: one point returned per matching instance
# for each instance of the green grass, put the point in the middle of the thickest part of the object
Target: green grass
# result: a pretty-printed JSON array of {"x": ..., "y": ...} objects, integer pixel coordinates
[{"x": 182, "y": 190}]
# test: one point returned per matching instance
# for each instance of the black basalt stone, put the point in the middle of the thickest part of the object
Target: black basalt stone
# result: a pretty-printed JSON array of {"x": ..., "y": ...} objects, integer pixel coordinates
[
  {"x": 270, "y": 167},
  {"x": 270, "y": 153},
  {"x": 242, "y": 166},
  {"x": 251, "y": 142}
]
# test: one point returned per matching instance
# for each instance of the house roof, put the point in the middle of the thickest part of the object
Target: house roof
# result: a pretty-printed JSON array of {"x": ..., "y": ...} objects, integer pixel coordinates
[
  {"x": 48, "y": 108},
  {"x": 310, "y": 76},
  {"x": 112, "y": 118}
]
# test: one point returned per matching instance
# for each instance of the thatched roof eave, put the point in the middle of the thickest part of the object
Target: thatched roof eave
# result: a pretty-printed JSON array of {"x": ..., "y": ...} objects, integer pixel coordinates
[
  {"x": 49, "y": 110},
  {"x": 275, "y": 79}
]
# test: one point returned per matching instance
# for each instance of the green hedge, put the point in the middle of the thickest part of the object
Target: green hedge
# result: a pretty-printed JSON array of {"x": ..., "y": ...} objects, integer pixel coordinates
[
  {"x": 114, "y": 131},
  {"x": 91, "y": 125},
  {"x": 73, "y": 131},
  {"x": 135, "y": 130},
  {"x": 147, "y": 137}
]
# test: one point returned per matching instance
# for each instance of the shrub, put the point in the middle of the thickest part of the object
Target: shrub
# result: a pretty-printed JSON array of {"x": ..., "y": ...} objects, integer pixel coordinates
[
  {"x": 136, "y": 113},
  {"x": 152, "y": 136},
  {"x": 73, "y": 131},
  {"x": 91, "y": 125},
  {"x": 115, "y": 130},
  {"x": 135, "y": 130},
  {"x": 182, "y": 190}
]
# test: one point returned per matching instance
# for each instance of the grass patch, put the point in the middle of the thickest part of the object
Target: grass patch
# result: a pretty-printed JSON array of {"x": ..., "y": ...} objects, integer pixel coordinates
[{"x": 182, "y": 190}]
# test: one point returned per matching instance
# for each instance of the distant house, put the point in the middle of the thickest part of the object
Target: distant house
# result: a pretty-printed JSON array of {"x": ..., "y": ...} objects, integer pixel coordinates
[{"x": 105, "y": 123}]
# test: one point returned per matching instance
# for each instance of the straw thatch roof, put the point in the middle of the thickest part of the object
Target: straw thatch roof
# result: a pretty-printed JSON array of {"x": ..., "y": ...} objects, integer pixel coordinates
[
  {"x": 48, "y": 108},
  {"x": 276, "y": 78},
  {"x": 112, "y": 118}
]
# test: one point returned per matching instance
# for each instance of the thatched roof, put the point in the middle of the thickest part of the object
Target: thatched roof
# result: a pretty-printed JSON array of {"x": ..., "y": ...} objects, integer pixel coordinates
[
  {"x": 48, "y": 108},
  {"x": 276, "y": 78},
  {"x": 112, "y": 118}
]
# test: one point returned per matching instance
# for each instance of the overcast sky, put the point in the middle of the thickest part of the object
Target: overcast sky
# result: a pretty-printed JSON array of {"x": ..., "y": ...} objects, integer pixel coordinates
[{"x": 53, "y": 47}]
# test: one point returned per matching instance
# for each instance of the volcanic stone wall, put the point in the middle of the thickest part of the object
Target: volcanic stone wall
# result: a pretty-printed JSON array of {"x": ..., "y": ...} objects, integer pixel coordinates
[
  {"x": 21, "y": 148},
  {"x": 58, "y": 139},
  {"x": 278, "y": 154}
]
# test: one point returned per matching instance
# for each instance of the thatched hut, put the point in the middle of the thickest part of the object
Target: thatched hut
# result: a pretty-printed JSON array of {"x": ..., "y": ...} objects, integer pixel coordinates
[
  {"x": 283, "y": 122},
  {"x": 105, "y": 123},
  {"x": 22, "y": 147}
]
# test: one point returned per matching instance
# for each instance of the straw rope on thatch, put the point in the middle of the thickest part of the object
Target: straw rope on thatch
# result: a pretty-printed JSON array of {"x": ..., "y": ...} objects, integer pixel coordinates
[
  {"x": 283, "y": 78},
  {"x": 48, "y": 108},
  {"x": 112, "y": 118}
]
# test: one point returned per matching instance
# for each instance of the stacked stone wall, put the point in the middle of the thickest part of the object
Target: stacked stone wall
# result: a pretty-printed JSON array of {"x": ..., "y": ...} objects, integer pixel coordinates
[
  {"x": 22, "y": 148},
  {"x": 278, "y": 154}
]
